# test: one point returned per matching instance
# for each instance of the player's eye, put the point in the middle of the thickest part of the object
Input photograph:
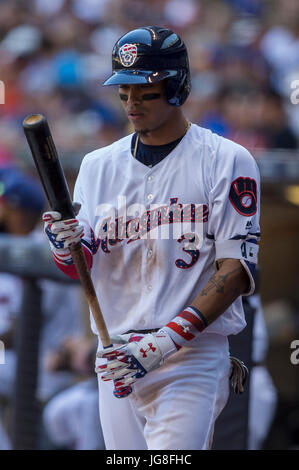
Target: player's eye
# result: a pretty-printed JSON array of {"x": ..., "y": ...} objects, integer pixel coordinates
[
  {"x": 123, "y": 97},
  {"x": 151, "y": 96}
]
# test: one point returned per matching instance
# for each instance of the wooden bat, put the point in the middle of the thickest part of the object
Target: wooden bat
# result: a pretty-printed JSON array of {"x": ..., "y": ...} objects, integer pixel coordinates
[{"x": 51, "y": 174}]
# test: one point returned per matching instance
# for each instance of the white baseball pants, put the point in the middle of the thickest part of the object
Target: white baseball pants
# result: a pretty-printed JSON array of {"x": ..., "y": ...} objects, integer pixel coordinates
[{"x": 174, "y": 406}]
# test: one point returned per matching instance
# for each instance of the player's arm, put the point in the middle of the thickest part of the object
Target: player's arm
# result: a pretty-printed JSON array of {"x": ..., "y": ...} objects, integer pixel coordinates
[{"x": 225, "y": 286}]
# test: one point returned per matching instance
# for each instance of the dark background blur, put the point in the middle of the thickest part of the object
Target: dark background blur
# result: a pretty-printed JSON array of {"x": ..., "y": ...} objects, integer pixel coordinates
[{"x": 244, "y": 58}]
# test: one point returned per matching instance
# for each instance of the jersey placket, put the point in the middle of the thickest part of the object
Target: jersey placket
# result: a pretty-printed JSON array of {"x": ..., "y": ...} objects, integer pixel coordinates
[{"x": 150, "y": 252}]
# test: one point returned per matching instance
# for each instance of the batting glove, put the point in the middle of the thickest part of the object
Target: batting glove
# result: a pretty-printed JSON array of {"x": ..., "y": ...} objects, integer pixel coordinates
[
  {"x": 62, "y": 234},
  {"x": 136, "y": 357}
]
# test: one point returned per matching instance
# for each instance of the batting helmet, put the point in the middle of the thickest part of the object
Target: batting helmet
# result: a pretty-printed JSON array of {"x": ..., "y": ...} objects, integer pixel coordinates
[{"x": 151, "y": 54}]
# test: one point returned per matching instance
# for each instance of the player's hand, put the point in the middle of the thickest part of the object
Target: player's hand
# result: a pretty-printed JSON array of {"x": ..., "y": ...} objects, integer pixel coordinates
[
  {"x": 62, "y": 233},
  {"x": 138, "y": 355},
  {"x": 238, "y": 375}
]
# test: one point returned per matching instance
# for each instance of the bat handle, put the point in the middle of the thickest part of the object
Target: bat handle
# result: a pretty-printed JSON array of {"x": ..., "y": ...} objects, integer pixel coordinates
[
  {"x": 88, "y": 288},
  {"x": 89, "y": 291}
]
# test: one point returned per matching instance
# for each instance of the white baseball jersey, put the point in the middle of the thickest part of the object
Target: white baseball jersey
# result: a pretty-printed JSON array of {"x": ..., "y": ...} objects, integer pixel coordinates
[{"x": 145, "y": 270}]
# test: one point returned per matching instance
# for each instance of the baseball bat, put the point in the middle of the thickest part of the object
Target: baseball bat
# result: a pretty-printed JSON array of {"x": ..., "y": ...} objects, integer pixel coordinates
[{"x": 52, "y": 177}]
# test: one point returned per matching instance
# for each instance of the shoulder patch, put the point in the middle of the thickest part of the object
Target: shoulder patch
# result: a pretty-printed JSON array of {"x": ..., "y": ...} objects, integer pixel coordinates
[{"x": 243, "y": 196}]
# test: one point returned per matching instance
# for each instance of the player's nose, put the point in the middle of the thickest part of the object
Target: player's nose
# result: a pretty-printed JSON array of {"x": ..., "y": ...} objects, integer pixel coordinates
[{"x": 134, "y": 95}]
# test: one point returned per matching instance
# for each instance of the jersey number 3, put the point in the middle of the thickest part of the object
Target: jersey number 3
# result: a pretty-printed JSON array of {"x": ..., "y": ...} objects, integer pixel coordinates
[{"x": 189, "y": 248}]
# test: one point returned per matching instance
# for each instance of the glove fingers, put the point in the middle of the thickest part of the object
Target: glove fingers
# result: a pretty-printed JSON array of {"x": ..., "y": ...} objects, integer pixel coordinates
[
  {"x": 72, "y": 241},
  {"x": 64, "y": 225},
  {"x": 70, "y": 234},
  {"x": 51, "y": 215},
  {"x": 111, "y": 353},
  {"x": 121, "y": 374},
  {"x": 112, "y": 365},
  {"x": 123, "y": 383}
]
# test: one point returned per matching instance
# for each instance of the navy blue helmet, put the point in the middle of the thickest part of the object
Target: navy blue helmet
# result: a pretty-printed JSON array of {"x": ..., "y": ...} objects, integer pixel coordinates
[{"x": 148, "y": 55}]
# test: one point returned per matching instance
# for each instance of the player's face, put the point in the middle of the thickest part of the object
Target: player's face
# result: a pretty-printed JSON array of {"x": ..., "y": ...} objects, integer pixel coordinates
[{"x": 145, "y": 105}]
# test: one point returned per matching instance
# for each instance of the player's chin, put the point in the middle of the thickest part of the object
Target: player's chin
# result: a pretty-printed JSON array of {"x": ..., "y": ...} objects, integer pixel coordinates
[
  {"x": 138, "y": 122},
  {"x": 142, "y": 131}
]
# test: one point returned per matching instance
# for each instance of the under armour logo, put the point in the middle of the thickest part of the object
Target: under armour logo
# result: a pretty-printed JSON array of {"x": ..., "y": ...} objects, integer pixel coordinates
[
  {"x": 151, "y": 348},
  {"x": 185, "y": 328}
]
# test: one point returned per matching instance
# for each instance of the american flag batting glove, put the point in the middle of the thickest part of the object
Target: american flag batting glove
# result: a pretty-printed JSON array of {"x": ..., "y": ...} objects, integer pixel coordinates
[
  {"x": 119, "y": 390},
  {"x": 132, "y": 361},
  {"x": 61, "y": 235}
]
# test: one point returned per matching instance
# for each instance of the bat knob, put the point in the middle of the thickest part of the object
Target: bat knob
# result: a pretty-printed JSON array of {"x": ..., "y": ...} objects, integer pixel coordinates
[{"x": 33, "y": 120}]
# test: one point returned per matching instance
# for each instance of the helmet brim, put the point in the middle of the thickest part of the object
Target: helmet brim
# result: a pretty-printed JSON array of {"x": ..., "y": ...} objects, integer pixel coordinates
[{"x": 127, "y": 77}]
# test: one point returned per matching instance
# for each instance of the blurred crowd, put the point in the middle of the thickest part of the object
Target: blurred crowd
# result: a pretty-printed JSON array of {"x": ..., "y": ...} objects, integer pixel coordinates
[{"x": 55, "y": 55}]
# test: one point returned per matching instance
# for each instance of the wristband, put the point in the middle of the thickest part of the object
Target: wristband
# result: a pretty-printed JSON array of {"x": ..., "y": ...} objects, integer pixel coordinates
[
  {"x": 201, "y": 315},
  {"x": 185, "y": 326}
]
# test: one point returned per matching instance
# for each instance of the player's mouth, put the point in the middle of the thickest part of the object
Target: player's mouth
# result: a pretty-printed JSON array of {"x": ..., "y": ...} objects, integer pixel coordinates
[{"x": 135, "y": 116}]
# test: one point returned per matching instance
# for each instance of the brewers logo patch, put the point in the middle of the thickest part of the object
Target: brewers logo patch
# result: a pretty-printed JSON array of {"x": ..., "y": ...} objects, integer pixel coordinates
[
  {"x": 128, "y": 54},
  {"x": 243, "y": 196}
]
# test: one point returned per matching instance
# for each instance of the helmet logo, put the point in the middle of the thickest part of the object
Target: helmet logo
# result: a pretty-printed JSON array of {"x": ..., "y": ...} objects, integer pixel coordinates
[{"x": 128, "y": 54}]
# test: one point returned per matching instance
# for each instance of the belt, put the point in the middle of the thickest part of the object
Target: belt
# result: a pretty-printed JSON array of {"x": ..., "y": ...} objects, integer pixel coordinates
[{"x": 143, "y": 332}]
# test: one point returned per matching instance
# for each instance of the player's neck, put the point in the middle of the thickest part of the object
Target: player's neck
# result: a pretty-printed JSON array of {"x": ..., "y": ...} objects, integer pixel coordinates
[{"x": 171, "y": 130}]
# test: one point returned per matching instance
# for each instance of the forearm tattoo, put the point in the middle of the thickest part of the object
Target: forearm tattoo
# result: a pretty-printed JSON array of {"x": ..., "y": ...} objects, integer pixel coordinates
[{"x": 219, "y": 282}]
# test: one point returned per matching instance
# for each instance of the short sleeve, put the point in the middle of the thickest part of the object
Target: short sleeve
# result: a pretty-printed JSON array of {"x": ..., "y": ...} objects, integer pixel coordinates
[{"x": 235, "y": 207}]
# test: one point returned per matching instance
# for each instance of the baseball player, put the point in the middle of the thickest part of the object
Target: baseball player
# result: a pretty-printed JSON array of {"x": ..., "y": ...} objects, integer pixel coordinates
[{"x": 169, "y": 222}]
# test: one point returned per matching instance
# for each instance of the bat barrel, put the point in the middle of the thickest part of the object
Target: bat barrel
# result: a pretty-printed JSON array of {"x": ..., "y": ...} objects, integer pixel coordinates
[{"x": 45, "y": 156}]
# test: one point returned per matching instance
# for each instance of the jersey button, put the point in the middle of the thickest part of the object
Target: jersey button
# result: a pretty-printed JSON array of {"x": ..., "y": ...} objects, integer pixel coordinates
[
  {"x": 150, "y": 197},
  {"x": 150, "y": 178},
  {"x": 149, "y": 287},
  {"x": 150, "y": 253}
]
